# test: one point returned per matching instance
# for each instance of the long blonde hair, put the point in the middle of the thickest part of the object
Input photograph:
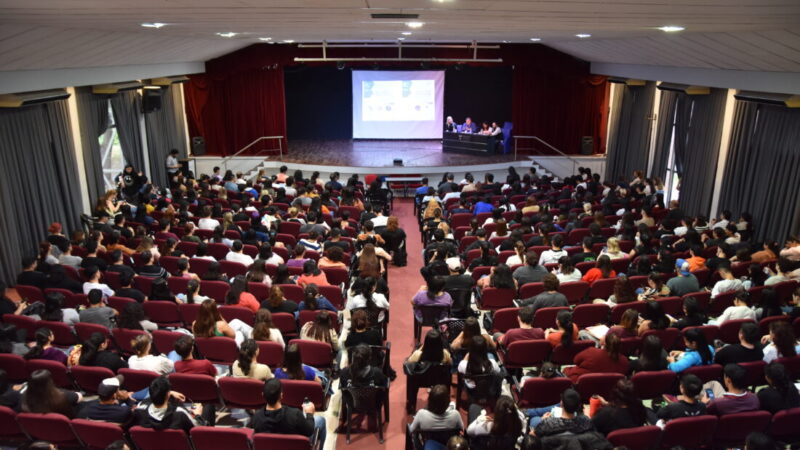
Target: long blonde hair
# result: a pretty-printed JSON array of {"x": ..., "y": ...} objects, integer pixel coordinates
[
  {"x": 433, "y": 205},
  {"x": 613, "y": 245}
]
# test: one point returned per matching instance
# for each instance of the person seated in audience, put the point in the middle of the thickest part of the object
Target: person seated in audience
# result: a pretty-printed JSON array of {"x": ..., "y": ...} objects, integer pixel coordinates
[
  {"x": 184, "y": 347},
  {"x": 687, "y": 404},
  {"x": 94, "y": 353},
  {"x": 697, "y": 353},
  {"x": 696, "y": 260},
  {"x": 439, "y": 414},
  {"x": 524, "y": 332},
  {"x": 623, "y": 293},
  {"x": 735, "y": 397},
  {"x": 54, "y": 312},
  {"x": 163, "y": 410},
  {"x": 628, "y": 325},
  {"x": 41, "y": 396},
  {"x": 333, "y": 257},
  {"x": 586, "y": 253},
  {"x": 164, "y": 232},
  {"x": 91, "y": 258},
  {"x": 312, "y": 275},
  {"x": 601, "y": 270},
  {"x": 314, "y": 301},
  {"x": 277, "y": 303},
  {"x": 723, "y": 256},
  {"x": 555, "y": 253},
  {"x": 43, "y": 347},
  {"x": 569, "y": 421},
  {"x": 655, "y": 288},
  {"x": 783, "y": 272},
  {"x": 769, "y": 305},
  {"x": 113, "y": 404},
  {"x": 218, "y": 237},
  {"x": 206, "y": 222},
  {"x": 606, "y": 359},
  {"x": 566, "y": 271},
  {"x": 693, "y": 315},
  {"x": 500, "y": 277},
  {"x": 471, "y": 329},
  {"x": 150, "y": 267},
  {"x": 360, "y": 332},
  {"x": 484, "y": 205},
  {"x": 264, "y": 329},
  {"x": 57, "y": 278},
  {"x": 292, "y": 367},
  {"x": 780, "y": 343},
  {"x": 118, "y": 264},
  {"x": 740, "y": 310},
  {"x": 30, "y": 276},
  {"x": 624, "y": 409},
  {"x": 531, "y": 272},
  {"x": 565, "y": 332},
  {"x": 549, "y": 298},
  {"x": 748, "y": 349},
  {"x": 298, "y": 258},
  {"x": 518, "y": 258},
  {"x": 267, "y": 257},
  {"x": 653, "y": 317},
  {"x": 283, "y": 276},
  {"x": 8, "y": 306},
  {"x": 188, "y": 234},
  {"x": 728, "y": 283},
  {"x": 143, "y": 360},
  {"x": 279, "y": 419},
  {"x": 66, "y": 258},
  {"x": 236, "y": 254},
  {"x": 238, "y": 295},
  {"x": 612, "y": 249},
  {"x": 97, "y": 312},
  {"x": 93, "y": 274},
  {"x": 433, "y": 294},
  {"x": 159, "y": 290},
  {"x": 247, "y": 365},
  {"x": 652, "y": 357},
  {"x": 781, "y": 393},
  {"x": 456, "y": 278},
  {"x": 363, "y": 294},
  {"x": 321, "y": 330},
  {"x": 477, "y": 362},
  {"x": 184, "y": 270},
  {"x": 500, "y": 430},
  {"x": 685, "y": 282},
  {"x": 128, "y": 291},
  {"x": 209, "y": 322},
  {"x": 432, "y": 350}
]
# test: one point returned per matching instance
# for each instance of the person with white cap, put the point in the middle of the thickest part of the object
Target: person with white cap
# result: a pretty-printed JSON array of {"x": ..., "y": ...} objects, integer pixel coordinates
[
  {"x": 113, "y": 404},
  {"x": 685, "y": 282}
]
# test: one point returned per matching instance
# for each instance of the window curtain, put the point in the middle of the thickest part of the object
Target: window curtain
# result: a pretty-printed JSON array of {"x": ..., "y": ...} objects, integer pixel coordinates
[
  {"x": 93, "y": 119},
  {"x": 164, "y": 133},
  {"x": 127, "y": 107},
  {"x": 666, "y": 121},
  {"x": 40, "y": 180},
  {"x": 630, "y": 132},
  {"x": 698, "y": 156},
  {"x": 762, "y": 170}
]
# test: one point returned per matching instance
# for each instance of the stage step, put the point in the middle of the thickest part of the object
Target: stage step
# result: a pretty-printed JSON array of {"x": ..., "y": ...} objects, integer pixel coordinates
[{"x": 541, "y": 171}]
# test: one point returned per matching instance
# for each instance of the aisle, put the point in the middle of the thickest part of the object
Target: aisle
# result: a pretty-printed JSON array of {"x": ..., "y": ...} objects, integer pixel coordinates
[{"x": 403, "y": 284}]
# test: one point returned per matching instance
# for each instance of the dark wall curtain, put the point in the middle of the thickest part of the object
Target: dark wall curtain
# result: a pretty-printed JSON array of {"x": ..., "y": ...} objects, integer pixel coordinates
[
  {"x": 93, "y": 118},
  {"x": 40, "y": 180},
  {"x": 666, "y": 121},
  {"x": 164, "y": 129},
  {"x": 319, "y": 102},
  {"x": 762, "y": 170},
  {"x": 698, "y": 169},
  {"x": 494, "y": 102},
  {"x": 127, "y": 109},
  {"x": 630, "y": 133}
]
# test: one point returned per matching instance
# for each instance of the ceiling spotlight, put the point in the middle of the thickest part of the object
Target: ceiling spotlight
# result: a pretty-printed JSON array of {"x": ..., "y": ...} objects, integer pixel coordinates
[
  {"x": 401, "y": 39},
  {"x": 265, "y": 39},
  {"x": 153, "y": 24},
  {"x": 288, "y": 41},
  {"x": 340, "y": 65},
  {"x": 229, "y": 34},
  {"x": 406, "y": 33},
  {"x": 415, "y": 24},
  {"x": 536, "y": 39},
  {"x": 583, "y": 36},
  {"x": 671, "y": 28}
]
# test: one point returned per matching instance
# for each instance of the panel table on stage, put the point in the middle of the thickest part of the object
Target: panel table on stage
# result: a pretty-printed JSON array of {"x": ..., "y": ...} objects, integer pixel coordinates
[
  {"x": 475, "y": 144},
  {"x": 405, "y": 181}
]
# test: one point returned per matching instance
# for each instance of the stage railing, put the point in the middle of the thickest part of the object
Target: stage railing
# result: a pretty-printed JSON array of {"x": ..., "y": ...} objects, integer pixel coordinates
[
  {"x": 247, "y": 147},
  {"x": 541, "y": 141}
]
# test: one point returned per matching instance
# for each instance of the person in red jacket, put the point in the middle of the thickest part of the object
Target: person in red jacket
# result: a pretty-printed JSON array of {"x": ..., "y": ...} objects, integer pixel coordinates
[
  {"x": 184, "y": 347},
  {"x": 599, "y": 360}
]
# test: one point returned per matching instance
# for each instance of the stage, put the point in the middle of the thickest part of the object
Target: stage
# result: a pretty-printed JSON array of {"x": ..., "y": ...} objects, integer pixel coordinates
[{"x": 382, "y": 153}]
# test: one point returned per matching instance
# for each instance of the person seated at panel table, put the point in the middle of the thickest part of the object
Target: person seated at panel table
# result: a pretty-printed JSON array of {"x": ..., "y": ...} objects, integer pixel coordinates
[
  {"x": 485, "y": 130},
  {"x": 496, "y": 130},
  {"x": 450, "y": 126},
  {"x": 468, "y": 126}
]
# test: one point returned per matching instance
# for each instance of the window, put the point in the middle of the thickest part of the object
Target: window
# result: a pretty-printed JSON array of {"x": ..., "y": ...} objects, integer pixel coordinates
[
  {"x": 111, "y": 152},
  {"x": 672, "y": 179}
]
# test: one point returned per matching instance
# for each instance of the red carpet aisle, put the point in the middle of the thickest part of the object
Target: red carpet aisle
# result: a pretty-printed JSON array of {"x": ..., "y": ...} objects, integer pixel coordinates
[{"x": 403, "y": 284}]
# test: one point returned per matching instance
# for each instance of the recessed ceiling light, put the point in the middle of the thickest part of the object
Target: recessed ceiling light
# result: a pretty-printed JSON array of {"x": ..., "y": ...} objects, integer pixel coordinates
[
  {"x": 401, "y": 39},
  {"x": 583, "y": 35},
  {"x": 671, "y": 28},
  {"x": 415, "y": 24},
  {"x": 505, "y": 42},
  {"x": 265, "y": 39},
  {"x": 228, "y": 34},
  {"x": 153, "y": 24},
  {"x": 536, "y": 39},
  {"x": 406, "y": 33},
  {"x": 288, "y": 41}
]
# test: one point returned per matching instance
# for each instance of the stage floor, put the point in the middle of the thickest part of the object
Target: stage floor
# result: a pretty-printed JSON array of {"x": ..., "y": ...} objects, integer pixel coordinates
[{"x": 381, "y": 153}]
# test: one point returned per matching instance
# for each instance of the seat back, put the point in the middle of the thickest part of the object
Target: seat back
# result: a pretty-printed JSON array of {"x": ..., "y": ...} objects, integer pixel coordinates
[
  {"x": 526, "y": 353},
  {"x": 164, "y": 340},
  {"x": 497, "y": 298},
  {"x": 618, "y": 310},
  {"x": 729, "y": 330},
  {"x": 706, "y": 373},
  {"x": 720, "y": 303},
  {"x": 504, "y": 320},
  {"x": 8, "y": 424},
  {"x": 14, "y": 365},
  {"x": 270, "y": 353},
  {"x": 84, "y": 330},
  {"x": 566, "y": 355},
  {"x": 314, "y": 353},
  {"x": 597, "y": 383},
  {"x": 230, "y": 312},
  {"x": 546, "y": 317},
  {"x": 590, "y": 314},
  {"x": 286, "y": 323},
  {"x": 63, "y": 334},
  {"x": 50, "y": 427},
  {"x": 123, "y": 338},
  {"x": 218, "y": 349},
  {"x": 136, "y": 380},
  {"x": 188, "y": 312},
  {"x": 57, "y": 370},
  {"x": 22, "y": 323},
  {"x": 150, "y": 439},
  {"x": 602, "y": 288},
  {"x": 784, "y": 425},
  {"x": 242, "y": 393},
  {"x": 119, "y": 303},
  {"x": 306, "y": 316},
  {"x": 671, "y": 305},
  {"x": 689, "y": 432},
  {"x": 97, "y": 435},
  {"x": 214, "y": 438},
  {"x": 432, "y": 314},
  {"x": 734, "y": 428},
  {"x": 639, "y": 438},
  {"x": 30, "y": 293},
  {"x": 364, "y": 399},
  {"x": 334, "y": 295},
  {"x": 296, "y": 391},
  {"x": 268, "y": 441},
  {"x": 575, "y": 291},
  {"x": 529, "y": 290},
  {"x": 650, "y": 385},
  {"x": 669, "y": 337},
  {"x": 164, "y": 313},
  {"x": 215, "y": 289},
  {"x": 197, "y": 388},
  {"x": 538, "y": 392},
  {"x": 89, "y": 378}
]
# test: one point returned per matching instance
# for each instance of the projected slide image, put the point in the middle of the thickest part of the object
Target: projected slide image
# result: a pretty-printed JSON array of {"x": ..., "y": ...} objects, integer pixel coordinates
[{"x": 398, "y": 100}]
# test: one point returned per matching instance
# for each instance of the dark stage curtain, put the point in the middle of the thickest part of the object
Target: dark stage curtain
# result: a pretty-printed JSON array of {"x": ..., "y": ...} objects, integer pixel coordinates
[
  {"x": 127, "y": 107},
  {"x": 630, "y": 132},
  {"x": 762, "y": 170},
  {"x": 319, "y": 102},
  {"x": 93, "y": 118},
  {"x": 164, "y": 133},
  {"x": 40, "y": 180},
  {"x": 700, "y": 154},
  {"x": 666, "y": 122}
]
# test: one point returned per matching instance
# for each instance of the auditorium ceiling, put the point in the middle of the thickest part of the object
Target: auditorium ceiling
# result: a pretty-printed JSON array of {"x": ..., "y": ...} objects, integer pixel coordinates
[{"x": 759, "y": 35}]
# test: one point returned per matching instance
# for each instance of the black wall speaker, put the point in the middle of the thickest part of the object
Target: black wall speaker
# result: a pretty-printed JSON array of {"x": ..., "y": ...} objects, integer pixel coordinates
[
  {"x": 151, "y": 100},
  {"x": 198, "y": 146},
  {"x": 587, "y": 145}
]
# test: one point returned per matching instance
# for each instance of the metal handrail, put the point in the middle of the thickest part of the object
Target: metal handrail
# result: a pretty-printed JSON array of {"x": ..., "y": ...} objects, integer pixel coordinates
[
  {"x": 280, "y": 149},
  {"x": 548, "y": 145}
]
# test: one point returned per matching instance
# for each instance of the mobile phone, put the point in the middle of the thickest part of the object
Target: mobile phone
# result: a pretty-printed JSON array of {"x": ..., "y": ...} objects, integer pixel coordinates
[{"x": 710, "y": 394}]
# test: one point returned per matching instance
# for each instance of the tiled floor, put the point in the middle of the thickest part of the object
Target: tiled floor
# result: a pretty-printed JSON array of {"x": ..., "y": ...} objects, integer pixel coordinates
[{"x": 381, "y": 153}]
